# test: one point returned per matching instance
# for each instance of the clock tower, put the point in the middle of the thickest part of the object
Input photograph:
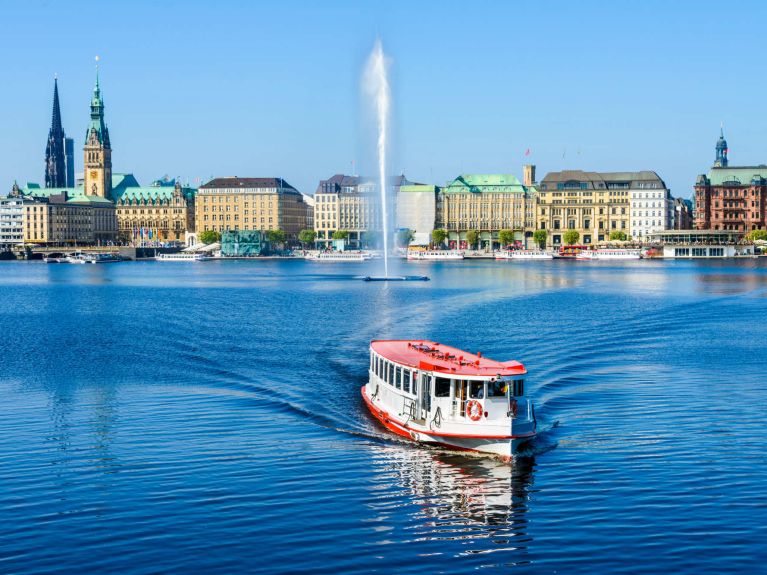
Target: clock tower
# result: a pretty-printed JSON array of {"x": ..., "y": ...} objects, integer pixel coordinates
[{"x": 97, "y": 150}]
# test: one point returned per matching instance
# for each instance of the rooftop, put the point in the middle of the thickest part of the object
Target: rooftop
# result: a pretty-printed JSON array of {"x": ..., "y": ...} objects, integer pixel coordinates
[
  {"x": 235, "y": 182},
  {"x": 476, "y": 183},
  {"x": 603, "y": 178},
  {"x": 433, "y": 356}
]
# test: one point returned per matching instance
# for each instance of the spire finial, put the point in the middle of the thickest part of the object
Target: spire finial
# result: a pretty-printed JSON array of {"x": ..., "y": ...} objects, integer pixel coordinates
[
  {"x": 97, "y": 72},
  {"x": 721, "y": 129}
]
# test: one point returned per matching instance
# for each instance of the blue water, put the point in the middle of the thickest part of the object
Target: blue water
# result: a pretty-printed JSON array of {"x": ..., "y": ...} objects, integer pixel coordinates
[{"x": 206, "y": 418}]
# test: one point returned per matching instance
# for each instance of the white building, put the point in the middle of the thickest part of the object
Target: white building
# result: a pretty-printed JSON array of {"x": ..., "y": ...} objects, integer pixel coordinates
[
  {"x": 417, "y": 211},
  {"x": 651, "y": 205},
  {"x": 11, "y": 221}
]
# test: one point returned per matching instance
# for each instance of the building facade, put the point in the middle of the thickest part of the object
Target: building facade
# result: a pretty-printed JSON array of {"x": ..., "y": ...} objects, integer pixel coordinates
[
  {"x": 417, "y": 211},
  {"x": 60, "y": 220},
  {"x": 232, "y": 204},
  {"x": 11, "y": 221},
  {"x": 592, "y": 203},
  {"x": 731, "y": 198},
  {"x": 683, "y": 211},
  {"x": 166, "y": 208},
  {"x": 486, "y": 203},
  {"x": 346, "y": 203},
  {"x": 652, "y": 207}
]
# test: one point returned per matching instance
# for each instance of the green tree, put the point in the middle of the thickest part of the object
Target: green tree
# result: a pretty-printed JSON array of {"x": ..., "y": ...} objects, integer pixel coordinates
[
  {"x": 275, "y": 237},
  {"x": 618, "y": 235},
  {"x": 404, "y": 237},
  {"x": 307, "y": 237},
  {"x": 571, "y": 237},
  {"x": 539, "y": 237},
  {"x": 340, "y": 235},
  {"x": 472, "y": 237},
  {"x": 754, "y": 235},
  {"x": 438, "y": 237},
  {"x": 209, "y": 237},
  {"x": 506, "y": 237}
]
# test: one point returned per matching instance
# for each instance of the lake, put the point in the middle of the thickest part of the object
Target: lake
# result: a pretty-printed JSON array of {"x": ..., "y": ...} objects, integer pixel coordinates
[{"x": 206, "y": 417}]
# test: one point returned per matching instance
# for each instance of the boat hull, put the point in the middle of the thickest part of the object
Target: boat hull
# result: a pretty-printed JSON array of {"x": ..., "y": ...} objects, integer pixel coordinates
[{"x": 502, "y": 445}]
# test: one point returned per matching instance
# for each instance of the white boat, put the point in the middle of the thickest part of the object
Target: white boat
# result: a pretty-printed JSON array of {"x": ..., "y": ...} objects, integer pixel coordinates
[
  {"x": 56, "y": 258},
  {"x": 436, "y": 394},
  {"x": 183, "y": 257},
  {"x": 339, "y": 256},
  {"x": 93, "y": 258},
  {"x": 524, "y": 255},
  {"x": 437, "y": 255},
  {"x": 609, "y": 254}
]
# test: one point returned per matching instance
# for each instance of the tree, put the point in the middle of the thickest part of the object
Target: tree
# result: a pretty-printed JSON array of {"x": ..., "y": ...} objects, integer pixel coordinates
[
  {"x": 276, "y": 237},
  {"x": 571, "y": 237},
  {"x": 472, "y": 237},
  {"x": 340, "y": 235},
  {"x": 307, "y": 237},
  {"x": 506, "y": 237},
  {"x": 404, "y": 237},
  {"x": 618, "y": 235},
  {"x": 209, "y": 237},
  {"x": 438, "y": 237},
  {"x": 539, "y": 237},
  {"x": 754, "y": 235}
]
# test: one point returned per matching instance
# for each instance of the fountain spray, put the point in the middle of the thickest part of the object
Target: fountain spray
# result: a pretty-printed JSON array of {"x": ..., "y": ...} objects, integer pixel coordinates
[{"x": 377, "y": 86}]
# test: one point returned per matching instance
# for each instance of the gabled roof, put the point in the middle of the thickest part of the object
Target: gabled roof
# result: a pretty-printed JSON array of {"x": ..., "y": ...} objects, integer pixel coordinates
[{"x": 594, "y": 179}]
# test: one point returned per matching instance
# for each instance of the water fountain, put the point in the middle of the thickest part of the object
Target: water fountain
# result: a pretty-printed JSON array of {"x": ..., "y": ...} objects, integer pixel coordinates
[{"x": 376, "y": 84}]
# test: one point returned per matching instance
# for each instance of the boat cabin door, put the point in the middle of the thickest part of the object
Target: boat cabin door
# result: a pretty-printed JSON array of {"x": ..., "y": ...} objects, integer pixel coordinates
[{"x": 425, "y": 395}]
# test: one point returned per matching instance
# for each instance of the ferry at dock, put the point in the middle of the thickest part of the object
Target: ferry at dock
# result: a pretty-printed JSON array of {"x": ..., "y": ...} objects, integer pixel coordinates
[
  {"x": 436, "y": 255},
  {"x": 609, "y": 254},
  {"x": 524, "y": 255},
  {"x": 439, "y": 395},
  {"x": 183, "y": 257},
  {"x": 93, "y": 258},
  {"x": 360, "y": 256}
]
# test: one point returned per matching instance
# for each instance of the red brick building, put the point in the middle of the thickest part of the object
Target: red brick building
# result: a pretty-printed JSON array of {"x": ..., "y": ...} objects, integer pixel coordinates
[{"x": 731, "y": 197}]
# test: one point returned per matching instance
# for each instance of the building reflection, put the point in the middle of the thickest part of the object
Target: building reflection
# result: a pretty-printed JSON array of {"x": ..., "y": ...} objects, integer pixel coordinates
[{"x": 463, "y": 497}]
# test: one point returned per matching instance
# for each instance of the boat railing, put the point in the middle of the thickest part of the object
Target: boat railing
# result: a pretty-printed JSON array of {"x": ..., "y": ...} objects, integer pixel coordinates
[
  {"x": 409, "y": 409},
  {"x": 437, "y": 419}
]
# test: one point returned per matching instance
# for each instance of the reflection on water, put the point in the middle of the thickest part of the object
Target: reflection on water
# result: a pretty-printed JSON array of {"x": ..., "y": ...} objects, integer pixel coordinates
[{"x": 481, "y": 500}]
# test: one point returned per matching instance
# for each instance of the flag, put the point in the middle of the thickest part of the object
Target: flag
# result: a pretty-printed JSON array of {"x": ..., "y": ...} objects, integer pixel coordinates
[{"x": 527, "y": 152}]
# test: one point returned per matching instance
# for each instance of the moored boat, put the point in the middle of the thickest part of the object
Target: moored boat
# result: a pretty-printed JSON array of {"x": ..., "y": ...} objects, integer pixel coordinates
[
  {"x": 524, "y": 255},
  {"x": 55, "y": 258},
  {"x": 183, "y": 257},
  {"x": 435, "y": 255},
  {"x": 436, "y": 394},
  {"x": 609, "y": 254},
  {"x": 360, "y": 256},
  {"x": 93, "y": 258}
]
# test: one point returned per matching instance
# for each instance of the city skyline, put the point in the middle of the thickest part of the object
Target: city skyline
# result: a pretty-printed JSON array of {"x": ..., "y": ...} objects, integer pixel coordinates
[{"x": 255, "y": 107}]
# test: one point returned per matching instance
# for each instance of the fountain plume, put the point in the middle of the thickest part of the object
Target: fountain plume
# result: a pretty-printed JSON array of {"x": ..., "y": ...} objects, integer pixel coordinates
[{"x": 376, "y": 83}]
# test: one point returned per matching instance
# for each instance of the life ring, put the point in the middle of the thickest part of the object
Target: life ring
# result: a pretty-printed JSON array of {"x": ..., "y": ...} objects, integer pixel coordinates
[
  {"x": 513, "y": 407},
  {"x": 474, "y": 410}
]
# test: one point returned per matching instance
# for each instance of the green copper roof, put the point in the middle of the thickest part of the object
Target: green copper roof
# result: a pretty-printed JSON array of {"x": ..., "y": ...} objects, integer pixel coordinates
[
  {"x": 418, "y": 188},
  {"x": 742, "y": 174},
  {"x": 487, "y": 183},
  {"x": 150, "y": 194}
]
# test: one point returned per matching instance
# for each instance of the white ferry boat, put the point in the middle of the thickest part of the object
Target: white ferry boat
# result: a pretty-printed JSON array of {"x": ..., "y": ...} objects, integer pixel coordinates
[
  {"x": 56, "y": 258},
  {"x": 93, "y": 258},
  {"x": 437, "y": 255},
  {"x": 183, "y": 257},
  {"x": 339, "y": 257},
  {"x": 609, "y": 254},
  {"x": 437, "y": 394},
  {"x": 524, "y": 255}
]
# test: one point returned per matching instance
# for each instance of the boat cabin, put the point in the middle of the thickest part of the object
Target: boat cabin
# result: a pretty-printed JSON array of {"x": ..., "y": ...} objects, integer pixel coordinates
[{"x": 425, "y": 380}]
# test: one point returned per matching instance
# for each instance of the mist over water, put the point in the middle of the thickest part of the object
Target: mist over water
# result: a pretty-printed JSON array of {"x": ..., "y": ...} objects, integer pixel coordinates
[{"x": 376, "y": 87}]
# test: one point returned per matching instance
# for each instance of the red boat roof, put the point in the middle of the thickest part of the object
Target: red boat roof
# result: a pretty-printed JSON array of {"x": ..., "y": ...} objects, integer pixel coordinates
[{"x": 432, "y": 356}]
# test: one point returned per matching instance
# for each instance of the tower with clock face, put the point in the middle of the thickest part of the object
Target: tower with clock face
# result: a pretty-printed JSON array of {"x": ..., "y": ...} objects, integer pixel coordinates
[{"x": 97, "y": 151}]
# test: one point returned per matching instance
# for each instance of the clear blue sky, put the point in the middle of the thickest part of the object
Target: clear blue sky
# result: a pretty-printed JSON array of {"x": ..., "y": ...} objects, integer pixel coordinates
[{"x": 196, "y": 89}]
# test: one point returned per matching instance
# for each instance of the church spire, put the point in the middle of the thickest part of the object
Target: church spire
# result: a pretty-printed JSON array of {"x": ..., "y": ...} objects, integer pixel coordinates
[{"x": 55, "y": 153}]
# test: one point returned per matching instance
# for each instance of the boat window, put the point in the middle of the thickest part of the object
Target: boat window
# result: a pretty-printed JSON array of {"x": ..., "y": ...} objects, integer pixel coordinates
[
  {"x": 519, "y": 387},
  {"x": 477, "y": 389},
  {"x": 441, "y": 387},
  {"x": 372, "y": 362},
  {"x": 391, "y": 373},
  {"x": 497, "y": 388},
  {"x": 381, "y": 368},
  {"x": 406, "y": 381},
  {"x": 415, "y": 383},
  {"x": 399, "y": 377}
]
